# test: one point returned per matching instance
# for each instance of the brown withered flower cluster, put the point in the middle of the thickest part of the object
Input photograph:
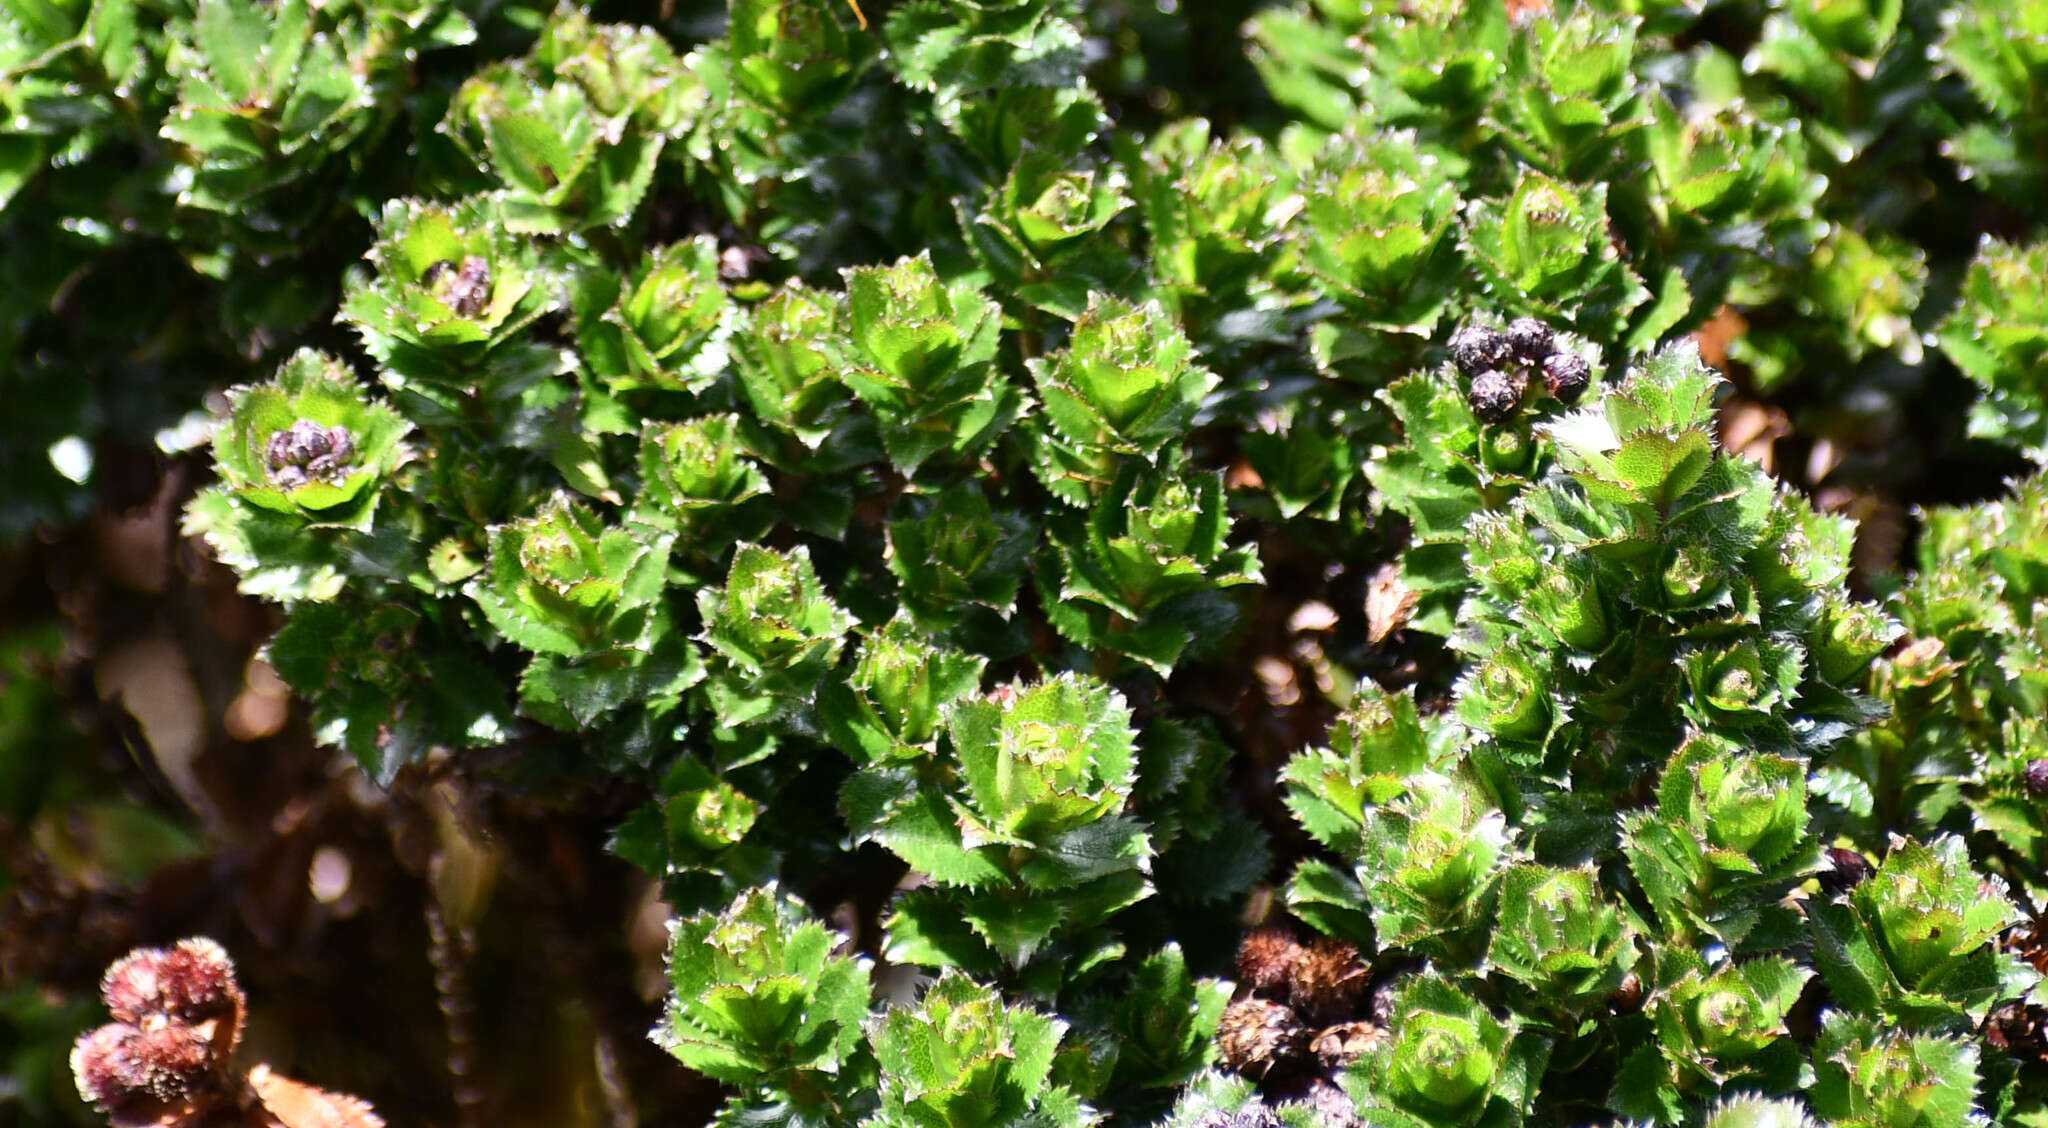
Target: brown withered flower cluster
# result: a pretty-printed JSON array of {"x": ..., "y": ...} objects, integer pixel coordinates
[
  {"x": 1303, "y": 1017},
  {"x": 167, "y": 1059},
  {"x": 177, "y": 1017}
]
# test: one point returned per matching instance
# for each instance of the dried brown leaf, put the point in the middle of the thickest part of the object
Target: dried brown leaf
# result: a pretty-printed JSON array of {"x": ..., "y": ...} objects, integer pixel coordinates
[
  {"x": 1389, "y": 604},
  {"x": 294, "y": 1104}
]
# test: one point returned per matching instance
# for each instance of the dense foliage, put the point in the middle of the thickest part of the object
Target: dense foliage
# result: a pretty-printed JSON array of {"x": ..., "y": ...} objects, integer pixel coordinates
[{"x": 869, "y": 436}]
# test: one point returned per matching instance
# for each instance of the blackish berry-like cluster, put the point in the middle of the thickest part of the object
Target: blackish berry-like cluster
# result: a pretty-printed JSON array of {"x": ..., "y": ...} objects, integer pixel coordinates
[{"x": 1499, "y": 363}]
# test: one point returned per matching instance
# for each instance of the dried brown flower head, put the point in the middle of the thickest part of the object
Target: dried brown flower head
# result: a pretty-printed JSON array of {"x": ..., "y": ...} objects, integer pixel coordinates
[
  {"x": 1340, "y": 1045},
  {"x": 1266, "y": 959},
  {"x": 1327, "y": 979},
  {"x": 1256, "y": 1036}
]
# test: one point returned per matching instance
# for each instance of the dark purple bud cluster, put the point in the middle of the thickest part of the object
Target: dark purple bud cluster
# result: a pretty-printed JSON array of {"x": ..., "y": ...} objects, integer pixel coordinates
[
  {"x": 307, "y": 451},
  {"x": 2034, "y": 777},
  {"x": 1476, "y": 349},
  {"x": 1500, "y": 362},
  {"x": 1494, "y": 396},
  {"x": 1566, "y": 375},
  {"x": 1845, "y": 870},
  {"x": 1529, "y": 340},
  {"x": 466, "y": 289}
]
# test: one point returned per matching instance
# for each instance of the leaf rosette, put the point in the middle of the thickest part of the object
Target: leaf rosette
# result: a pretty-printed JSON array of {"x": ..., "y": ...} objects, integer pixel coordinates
[
  {"x": 1749, "y": 805},
  {"x": 892, "y": 706},
  {"x": 665, "y": 325},
  {"x": 1430, "y": 862},
  {"x": 1448, "y": 1062},
  {"x": 1444, "y": 477},
  {"x": 776, "y": 630},
  {"x": 2000, "y": 49},
  {"x": 563, "y": 583},
  {"x": 959, "y": 1058},
  {"x": 1153, "y": 537},
  {"x": 697, "y": 477},
  {"x": 1571, "y": 89},
  {"x": 1375, "y": 222},
  {"x": 1041, "y": 760},
  {"x": 1561, "y": 938},
  {"x": 1916, "y": 941},
  {"x": 1509, "y": 697},
  {"x": 309, "y": 445},
  {"x": 1049, "y": 205},
  {"x": 1714, "y": 1031},
  {"x": 1729, "y": 835},
  {"x": 920, "y": 353},
  {"x": 1166, "y": 1024},
  {"x": 560, "y": 163},
  {"x": 970, "y": 53},
  {"x": 1546, "y": 251},
  {"x": 1375, "y": 747},
  {"x": 954, "y": 553},
  {"x": 773, "y": 614},
  {"x": 1127, "y": 384},
  {"x": 760, "y": 995},
  {"x": 794, "y": 58},
  {"x": 788, "y": 359},
  {"x": 1852, "y": 635},
  {"x": 623, "y": 68},
  {"x": 1728, "y": 1017},
  {"x": 273, "y": 100},
  {"x": 1751, "y": 1111},
  {"x": 1998, "y": 336},
  {"x": 1043, "y": 233},
  {"x": 1022, "y": 833},
  {"x": 1143, "y": 573},
  {"x": 1869, "y": 1077},
  {"x": 1213, "y": 208},
  {"x": 1719, "y": 166},
  {"x": 1566, "y": 602},
  {"x": 451, "y": 285}
]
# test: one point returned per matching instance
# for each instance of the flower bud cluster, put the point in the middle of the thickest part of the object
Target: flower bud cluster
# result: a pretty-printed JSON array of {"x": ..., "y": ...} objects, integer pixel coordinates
[
  {"x": 166, "y": 1059},
  {"x": 1501, "y": 362},
  {"x": 306, "y": 451},
  {"x": 464, "y": 288},
  {"x": 178, "y": 1015}
]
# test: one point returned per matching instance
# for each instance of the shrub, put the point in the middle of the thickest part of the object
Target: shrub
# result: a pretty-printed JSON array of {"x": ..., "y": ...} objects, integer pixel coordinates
[{"x": 879, "y": 444}]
